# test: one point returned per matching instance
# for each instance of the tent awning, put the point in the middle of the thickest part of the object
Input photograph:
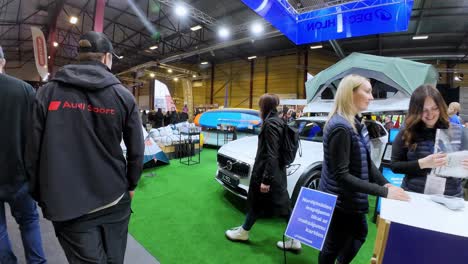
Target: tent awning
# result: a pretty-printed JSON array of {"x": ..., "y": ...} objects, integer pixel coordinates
[{"x": 403, "y": 75}]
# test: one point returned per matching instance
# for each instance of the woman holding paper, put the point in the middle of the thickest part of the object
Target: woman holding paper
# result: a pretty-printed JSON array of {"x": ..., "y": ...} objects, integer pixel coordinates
[
  {"x": 413, "y": 148},
  {"x": 349, "y": 173}
]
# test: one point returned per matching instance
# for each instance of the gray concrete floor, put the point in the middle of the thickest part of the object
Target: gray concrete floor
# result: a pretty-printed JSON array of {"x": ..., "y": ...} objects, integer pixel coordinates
[{"x": 135, "y": 253}]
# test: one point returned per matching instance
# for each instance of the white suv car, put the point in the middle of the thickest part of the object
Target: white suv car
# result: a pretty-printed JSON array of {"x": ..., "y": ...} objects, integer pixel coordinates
[{"x": 236, "y": 159}]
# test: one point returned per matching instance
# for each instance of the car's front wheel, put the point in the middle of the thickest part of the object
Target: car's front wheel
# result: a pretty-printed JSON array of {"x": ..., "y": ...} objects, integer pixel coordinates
[{"x": 310, "y": 180}]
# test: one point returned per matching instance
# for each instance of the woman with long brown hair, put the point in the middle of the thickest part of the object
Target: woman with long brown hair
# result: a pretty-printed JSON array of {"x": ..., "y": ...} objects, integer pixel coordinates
[
  {"x": 413, "y": 148},
  {"x": 268, "y": 185}
]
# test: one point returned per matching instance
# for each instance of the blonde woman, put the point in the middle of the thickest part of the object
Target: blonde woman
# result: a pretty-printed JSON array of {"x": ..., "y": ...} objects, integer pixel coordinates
[
  {"x": 349, "y": 173},
  {"x": 453, "y": 110}
]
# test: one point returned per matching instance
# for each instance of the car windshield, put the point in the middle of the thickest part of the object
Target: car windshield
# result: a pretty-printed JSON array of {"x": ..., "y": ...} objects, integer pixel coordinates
[{"x": 308, "y": 129}]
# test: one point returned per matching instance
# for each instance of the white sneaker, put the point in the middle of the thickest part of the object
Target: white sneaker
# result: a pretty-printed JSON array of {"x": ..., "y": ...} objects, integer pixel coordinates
[
  {"x": 237, "y": 234},
  {"x": 290, "y": 244}
]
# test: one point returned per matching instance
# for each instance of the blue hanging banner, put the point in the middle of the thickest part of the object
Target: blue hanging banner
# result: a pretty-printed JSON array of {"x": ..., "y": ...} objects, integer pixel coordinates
[
  {"x": 311, "y": 217},
  {"x": 358, "y": 18}
]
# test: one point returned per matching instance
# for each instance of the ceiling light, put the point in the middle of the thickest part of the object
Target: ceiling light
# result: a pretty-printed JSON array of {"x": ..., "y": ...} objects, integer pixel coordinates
[
  {"x": 458, "y": 77},
  {"x": 73, "y": 20},
  {"x": 55, "y": 44},
  {"x": 195, "y": 28},
  {"x": 420, "y": 37},
  {"x": 251, "y": 57},
  {"x": 223, "y": 32},
  {"x": 152, "y": 75},
  {"x": 194, "y": 76},
  {"x": 204, "y": 63},
  {"x": 181, "y": 10},
  {"x": 153, "y": 47},
  {"x": 316, "y": 47},
  {"x": 257, "y": 28},
  {"x": 176, "y": 79},
  {"x": 169, "y": 70}
]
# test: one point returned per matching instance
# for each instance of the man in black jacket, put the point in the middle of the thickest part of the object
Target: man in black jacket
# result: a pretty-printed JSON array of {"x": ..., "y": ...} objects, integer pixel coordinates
[
  {"x": 79, "y": 175},
  {"x": 16, "y": 98}
]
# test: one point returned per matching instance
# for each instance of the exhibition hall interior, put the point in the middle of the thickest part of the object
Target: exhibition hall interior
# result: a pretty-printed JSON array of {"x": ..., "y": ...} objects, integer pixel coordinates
[{"x": 160, "y": 131}]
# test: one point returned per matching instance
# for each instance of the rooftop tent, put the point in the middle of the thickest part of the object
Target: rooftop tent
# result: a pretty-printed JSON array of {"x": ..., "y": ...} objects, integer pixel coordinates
[
  {"x": 153, "y": 155},
  {"x": 403, "y": 75}
]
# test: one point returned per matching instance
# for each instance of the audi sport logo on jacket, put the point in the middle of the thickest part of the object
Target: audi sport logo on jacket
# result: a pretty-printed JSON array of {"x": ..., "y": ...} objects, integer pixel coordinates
[{"x": 57, "y": 105}]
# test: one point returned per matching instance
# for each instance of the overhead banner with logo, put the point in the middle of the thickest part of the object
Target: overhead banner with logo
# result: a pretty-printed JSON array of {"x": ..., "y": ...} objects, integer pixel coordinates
[
  {"x": 40, "y": 52},
  {"x": 353, "y": 19},
  {"x": 162, "y": 97}
]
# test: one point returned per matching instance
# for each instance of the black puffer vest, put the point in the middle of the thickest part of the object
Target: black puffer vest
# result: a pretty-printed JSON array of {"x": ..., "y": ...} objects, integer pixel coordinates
[
  {"x": 348, "y": 201},
  {"x": 417, "y": 182}
]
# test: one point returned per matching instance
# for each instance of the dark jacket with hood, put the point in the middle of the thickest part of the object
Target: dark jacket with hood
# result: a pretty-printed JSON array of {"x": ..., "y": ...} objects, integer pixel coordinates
[
  {"x": 75, "y": 160},
  {"x": 16, "y": 99},
  {"x": 269, "y": 171}
]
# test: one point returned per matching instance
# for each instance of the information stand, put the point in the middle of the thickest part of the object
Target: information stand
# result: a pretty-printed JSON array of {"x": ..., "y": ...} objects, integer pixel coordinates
[{"x": 420, "y": 231}]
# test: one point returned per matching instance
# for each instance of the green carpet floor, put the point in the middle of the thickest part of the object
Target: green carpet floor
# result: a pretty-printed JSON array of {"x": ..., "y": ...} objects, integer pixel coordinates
[{"x": 181, "y": 214}]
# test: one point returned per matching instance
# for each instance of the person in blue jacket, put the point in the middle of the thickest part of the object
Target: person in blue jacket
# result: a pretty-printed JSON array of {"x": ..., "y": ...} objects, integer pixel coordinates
[
  {"x": 453, "y": 110},
  {"x": 349, "y": 173}
]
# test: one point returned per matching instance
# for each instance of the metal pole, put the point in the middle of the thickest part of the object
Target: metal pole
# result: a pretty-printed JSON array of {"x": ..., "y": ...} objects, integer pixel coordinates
[
  {"x": 266, "y": 74},
  {"x": 306, "y": 63},
  {"x": 212, "y": 82},
  {"x": 52, "y": 37},
  {"x": 252, "y": 65},
  {"x": 99, "y": 15}
]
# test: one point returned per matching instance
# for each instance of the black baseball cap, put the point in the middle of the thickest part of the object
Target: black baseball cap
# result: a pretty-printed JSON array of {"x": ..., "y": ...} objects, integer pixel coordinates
[
  {"x": 2, "y": 56},
  {"x": 97, "y": 42}
]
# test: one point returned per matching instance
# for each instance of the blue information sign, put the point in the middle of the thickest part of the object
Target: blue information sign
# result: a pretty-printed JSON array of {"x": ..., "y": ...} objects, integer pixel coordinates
[
  {"x": 311, "y": 217},
  {"x": 347, "y": 20},
  {"x": 394, "y": 178}
]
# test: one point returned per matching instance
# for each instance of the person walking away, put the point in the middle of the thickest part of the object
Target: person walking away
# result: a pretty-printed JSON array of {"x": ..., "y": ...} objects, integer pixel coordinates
[
  {"x": 159, "y": 118},
  {"x": 16, "y": 99},
  {"x": 79, "y": 175},
  {"x": 144, "y": 118},
  {"x": 388, "y": 123},
  {"x": 349, "y": 173},
  {"x": 173, "y": 116},
  {"x": 268, "y": 185}
]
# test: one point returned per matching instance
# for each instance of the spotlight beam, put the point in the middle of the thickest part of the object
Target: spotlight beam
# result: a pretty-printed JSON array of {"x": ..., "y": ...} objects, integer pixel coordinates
[{"x": 142, "y": 17}]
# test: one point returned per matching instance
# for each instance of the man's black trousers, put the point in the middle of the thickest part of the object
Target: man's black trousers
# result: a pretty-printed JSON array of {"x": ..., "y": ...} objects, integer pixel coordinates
[{"x": 99, "y": 237}]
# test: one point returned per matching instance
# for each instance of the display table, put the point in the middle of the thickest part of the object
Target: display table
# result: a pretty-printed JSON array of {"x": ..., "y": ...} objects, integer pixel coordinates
[
  {"x": 421, "y": 231},
  {"x": 225, "y": 134},
  {"x": 187, "y": 149}
]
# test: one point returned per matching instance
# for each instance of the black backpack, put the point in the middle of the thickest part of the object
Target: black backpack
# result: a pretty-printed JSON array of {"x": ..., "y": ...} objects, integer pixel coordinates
[{"x": 290, "y": 145}]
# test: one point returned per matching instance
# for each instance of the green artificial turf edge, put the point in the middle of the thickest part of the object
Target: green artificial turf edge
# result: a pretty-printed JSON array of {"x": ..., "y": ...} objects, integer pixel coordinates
[{"x": 181, "y": 214}]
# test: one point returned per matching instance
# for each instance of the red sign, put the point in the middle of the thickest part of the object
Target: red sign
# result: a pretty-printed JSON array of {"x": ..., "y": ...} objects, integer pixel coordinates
[
  {"x": 40, "y": 51},
  {"x": 55, "y": 105}
]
